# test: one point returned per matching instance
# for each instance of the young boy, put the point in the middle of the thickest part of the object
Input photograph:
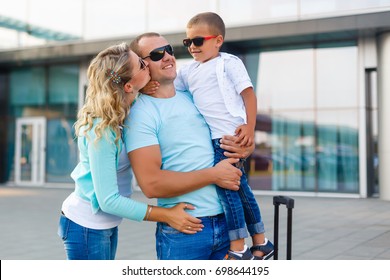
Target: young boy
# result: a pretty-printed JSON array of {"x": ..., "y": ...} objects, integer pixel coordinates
[{"x": 224, "y": 95}]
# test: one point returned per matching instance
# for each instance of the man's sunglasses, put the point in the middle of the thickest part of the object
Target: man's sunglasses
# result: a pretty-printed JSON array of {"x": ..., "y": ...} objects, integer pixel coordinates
[
  {"x": 197, "y": 41},
  {"x": 158, "y": 54}
]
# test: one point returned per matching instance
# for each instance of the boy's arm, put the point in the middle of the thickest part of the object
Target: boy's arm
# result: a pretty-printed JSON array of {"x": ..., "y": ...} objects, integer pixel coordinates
[
  {"x": 150, "y": 88},
  {"x": 246, "y": 132}
]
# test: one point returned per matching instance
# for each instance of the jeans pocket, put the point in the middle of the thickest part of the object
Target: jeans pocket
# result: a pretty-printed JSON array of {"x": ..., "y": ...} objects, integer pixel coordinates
[
  {"x": 63, "y": 227},
  {"x": 167, "y": 229}
]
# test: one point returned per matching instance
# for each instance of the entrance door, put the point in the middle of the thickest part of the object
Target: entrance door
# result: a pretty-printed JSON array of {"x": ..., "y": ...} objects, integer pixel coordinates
[{"x": 30, "y": 151}]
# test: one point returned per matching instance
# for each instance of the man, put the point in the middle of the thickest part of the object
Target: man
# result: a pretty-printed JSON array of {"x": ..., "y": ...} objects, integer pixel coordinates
[{"x": 170, "y": 149}]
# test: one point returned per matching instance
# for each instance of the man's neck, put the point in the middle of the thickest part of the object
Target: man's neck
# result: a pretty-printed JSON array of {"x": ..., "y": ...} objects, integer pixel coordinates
[{"x": 165, "y": 91}]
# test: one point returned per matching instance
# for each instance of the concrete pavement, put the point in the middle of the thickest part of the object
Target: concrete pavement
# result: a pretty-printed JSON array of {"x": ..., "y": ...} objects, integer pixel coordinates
[{"x": 323, "y": 228}]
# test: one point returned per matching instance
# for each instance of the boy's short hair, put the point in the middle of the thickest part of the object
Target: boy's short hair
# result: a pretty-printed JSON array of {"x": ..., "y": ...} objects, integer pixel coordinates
[{"x": 214, "y": 21}]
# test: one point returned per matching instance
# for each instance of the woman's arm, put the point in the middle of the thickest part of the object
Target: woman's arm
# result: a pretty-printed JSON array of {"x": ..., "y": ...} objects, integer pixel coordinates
[
  {"x": 102, "y": 156},
  {"x": 176, "y": 217}
]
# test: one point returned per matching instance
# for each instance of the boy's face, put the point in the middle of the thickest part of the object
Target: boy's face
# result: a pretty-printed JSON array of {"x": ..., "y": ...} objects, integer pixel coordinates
[{"x": 210, "y": 47}]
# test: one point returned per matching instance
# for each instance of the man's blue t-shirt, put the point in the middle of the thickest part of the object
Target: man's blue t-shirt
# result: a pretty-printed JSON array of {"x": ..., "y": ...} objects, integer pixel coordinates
[{"x": 185, "y": 143}]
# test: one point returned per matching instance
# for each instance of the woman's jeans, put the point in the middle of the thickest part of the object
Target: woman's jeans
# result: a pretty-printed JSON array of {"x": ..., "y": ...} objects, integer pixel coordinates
[
  {"x": 83, "y": 243},
  {"x": 240, "y": 206},
  {"x": 211, "y": 243}
]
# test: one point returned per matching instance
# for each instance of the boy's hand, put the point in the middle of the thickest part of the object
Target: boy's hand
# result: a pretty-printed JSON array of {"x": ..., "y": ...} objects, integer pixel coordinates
[
  {"x": 150, "y": 88},
  {"x": 234, "y": 150},
  {"x": 245, "y": 135}
]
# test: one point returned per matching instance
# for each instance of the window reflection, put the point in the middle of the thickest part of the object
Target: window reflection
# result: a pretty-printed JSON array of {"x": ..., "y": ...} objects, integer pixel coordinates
[
  {"x": 337, "y": 151},
  {"x": 286, "y": 80},
  {"x": 27, "y": 86},
  {"x": 61, "y": 156},
  {"x": 51, "y": 92},
  {"x": 336, "y": 69},
  {"x": 306, "y": 135}
]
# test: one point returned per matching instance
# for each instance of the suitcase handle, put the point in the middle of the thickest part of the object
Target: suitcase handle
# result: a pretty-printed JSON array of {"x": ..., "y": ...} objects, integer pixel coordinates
[{"x": 288, "y": 201}]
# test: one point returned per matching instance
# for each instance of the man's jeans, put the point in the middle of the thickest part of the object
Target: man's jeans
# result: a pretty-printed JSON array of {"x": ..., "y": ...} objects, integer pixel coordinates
[
  {"x": 87, "y": 244},
  {"x": 240, "y": 206},
  {"x": 212, "y": 243}
]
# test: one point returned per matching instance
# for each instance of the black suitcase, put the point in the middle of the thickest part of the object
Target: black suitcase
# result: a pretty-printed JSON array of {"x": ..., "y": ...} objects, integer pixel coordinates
[{"x": 289, "y": 202}]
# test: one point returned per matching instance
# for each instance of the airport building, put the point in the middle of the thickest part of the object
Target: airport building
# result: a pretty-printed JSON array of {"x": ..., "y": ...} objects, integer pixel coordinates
[{"x": 320, "y": 69}]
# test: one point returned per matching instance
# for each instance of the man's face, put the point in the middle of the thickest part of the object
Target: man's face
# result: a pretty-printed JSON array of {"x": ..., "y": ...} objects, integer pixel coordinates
[{"x": 163, "y": 70}]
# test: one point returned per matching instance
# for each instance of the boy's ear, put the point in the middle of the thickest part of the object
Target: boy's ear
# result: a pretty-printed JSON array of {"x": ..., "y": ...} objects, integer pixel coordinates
[{"x": 219, "y": 41}]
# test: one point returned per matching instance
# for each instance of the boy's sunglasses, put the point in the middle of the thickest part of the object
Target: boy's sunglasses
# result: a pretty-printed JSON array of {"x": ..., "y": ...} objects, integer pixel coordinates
[
  {"x": 197, "y": 41},
  {"x": 158, "y": 54}
]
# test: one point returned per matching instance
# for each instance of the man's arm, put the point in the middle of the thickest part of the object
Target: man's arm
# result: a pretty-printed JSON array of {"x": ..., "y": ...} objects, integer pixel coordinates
[{"x": 157, "y": 183}]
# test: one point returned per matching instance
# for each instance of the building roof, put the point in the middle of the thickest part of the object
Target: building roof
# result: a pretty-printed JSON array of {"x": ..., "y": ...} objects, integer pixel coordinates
[{"x": 260, "y": 36}]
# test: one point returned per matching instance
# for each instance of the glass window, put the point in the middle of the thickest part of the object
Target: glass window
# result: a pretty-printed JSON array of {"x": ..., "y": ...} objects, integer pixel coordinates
[
  {"x": 293, "y": 151},
  {"x": 336, "y": 70},
  {"x": 337, "y": 151},
  {"x": 63, "y": 90},
  {"x": 307, "y": 125},
  {"x": 287, "y": 87},
  {"x": 61, "y": 150},
  {"x": 63, "y": 84},
  {"x": 55, "y": 98},
  {"x": 27, "y": 86}
]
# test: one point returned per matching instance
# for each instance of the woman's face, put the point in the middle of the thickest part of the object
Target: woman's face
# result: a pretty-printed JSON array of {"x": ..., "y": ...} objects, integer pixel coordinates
[{"x": 140, "y": 75}]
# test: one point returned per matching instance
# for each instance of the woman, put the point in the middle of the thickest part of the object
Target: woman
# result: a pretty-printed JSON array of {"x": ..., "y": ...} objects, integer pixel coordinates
[{"x": 91, "y": 214}]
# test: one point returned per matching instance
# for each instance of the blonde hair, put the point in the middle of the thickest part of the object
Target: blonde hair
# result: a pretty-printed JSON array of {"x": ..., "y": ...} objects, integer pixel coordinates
[{"x": 105, "y": 96}]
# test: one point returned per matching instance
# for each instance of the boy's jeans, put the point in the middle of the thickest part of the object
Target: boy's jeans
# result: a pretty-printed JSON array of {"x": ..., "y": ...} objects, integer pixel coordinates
[{"x": 240, "y": 206}]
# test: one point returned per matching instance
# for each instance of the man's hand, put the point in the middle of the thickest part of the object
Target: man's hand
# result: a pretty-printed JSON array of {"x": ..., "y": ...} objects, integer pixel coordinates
[{"x": 228, "y": 176}]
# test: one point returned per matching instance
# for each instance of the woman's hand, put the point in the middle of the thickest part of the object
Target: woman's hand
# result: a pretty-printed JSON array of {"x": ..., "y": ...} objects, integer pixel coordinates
[
  {"x": 228, "y": 176},
  {"x": 181, "y": 220},
  {"x": 233, "y": 149}
]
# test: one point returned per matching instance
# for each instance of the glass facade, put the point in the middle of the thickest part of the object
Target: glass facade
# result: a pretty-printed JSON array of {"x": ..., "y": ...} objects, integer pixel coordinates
[
  {"x": 307, "y": 127},
  {"x": 51, "y": 92},
  {"x": 307, "y": 131},
  {"x": 310, "y": 97}
]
